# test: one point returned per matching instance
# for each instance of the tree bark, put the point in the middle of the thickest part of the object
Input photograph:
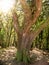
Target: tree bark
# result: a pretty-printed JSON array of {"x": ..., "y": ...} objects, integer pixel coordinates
[{"x": 23, "y": 56}]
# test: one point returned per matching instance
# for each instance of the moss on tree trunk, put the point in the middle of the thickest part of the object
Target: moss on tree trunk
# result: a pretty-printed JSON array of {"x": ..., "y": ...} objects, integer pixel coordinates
[{"x": 23, "y": 56}]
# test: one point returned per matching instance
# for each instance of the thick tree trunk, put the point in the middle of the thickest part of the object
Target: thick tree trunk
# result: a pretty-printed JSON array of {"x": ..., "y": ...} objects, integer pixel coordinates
[{"x": 23, "y": 55}]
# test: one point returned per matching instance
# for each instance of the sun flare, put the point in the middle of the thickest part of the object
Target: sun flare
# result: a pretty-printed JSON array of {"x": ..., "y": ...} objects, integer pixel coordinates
[{"x": 6, "y": 5}]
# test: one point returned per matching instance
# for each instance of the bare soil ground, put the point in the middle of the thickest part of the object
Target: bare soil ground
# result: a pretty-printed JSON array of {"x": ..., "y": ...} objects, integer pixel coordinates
[{"x": 39, "y": 57}]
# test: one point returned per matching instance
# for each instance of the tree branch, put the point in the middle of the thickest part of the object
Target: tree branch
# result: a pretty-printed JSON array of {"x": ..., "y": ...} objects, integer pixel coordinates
[
  {"x": 27, "y": 12},
  {"x": 26, "y": 9},
  {"x": 28, "y": 16},
  {"x": 34, "y": 34},
  {"x": 42, "y": 26},
  {"x": 15, "y": 22}
]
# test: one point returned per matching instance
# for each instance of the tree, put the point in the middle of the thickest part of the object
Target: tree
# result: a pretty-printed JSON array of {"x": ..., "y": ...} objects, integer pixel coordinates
[{"x": 25, "y": 35}]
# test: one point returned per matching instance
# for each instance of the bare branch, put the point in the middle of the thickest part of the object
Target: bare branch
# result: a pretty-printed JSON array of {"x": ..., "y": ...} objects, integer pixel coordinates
[
  {"x": 34, "y": 34},
  {"x": 26, "y": 9},
  {"x": 42, "y": 26},
  {"x": 27, "y": 12},
  {"x": 28, "y": 16},
  {"x": 15, "y": 22}
]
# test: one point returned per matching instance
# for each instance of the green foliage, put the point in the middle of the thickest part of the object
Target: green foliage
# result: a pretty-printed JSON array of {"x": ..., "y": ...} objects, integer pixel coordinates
[
  {"x": 7, "y": 31},
  {"x": 2, "y": 43}
]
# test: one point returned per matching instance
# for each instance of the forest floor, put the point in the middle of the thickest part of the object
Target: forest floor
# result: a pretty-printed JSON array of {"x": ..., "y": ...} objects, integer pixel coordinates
[{"x": 39, "y": 57}]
